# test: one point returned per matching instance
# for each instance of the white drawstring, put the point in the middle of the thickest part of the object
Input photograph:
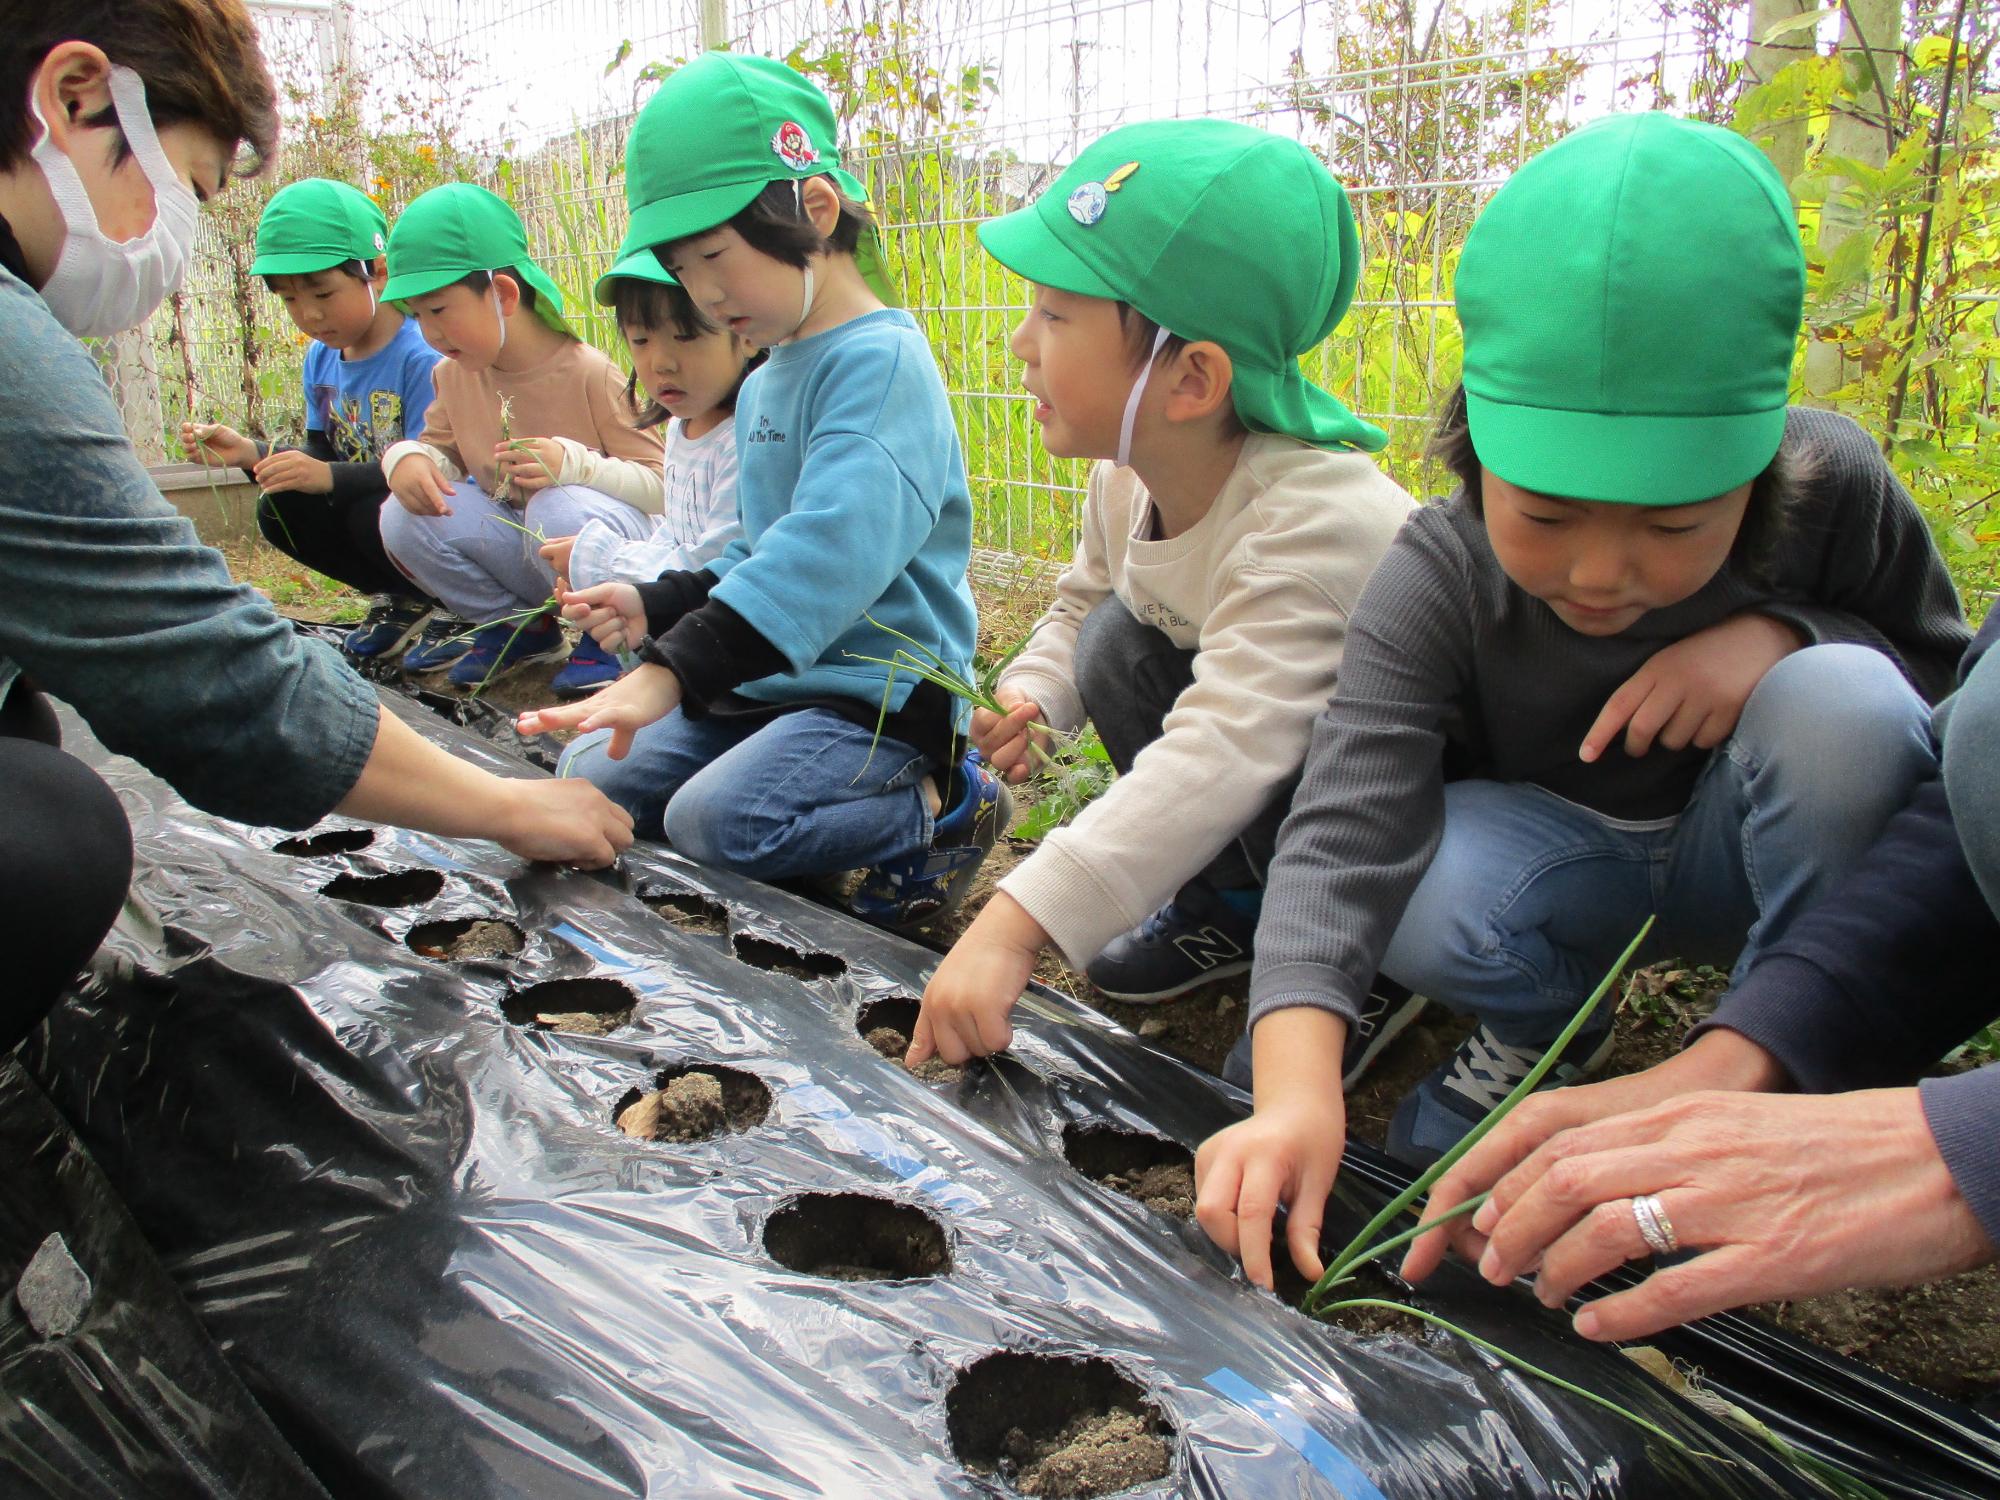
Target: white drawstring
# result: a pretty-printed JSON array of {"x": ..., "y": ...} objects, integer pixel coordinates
[{"x": 1132, "y": 402}]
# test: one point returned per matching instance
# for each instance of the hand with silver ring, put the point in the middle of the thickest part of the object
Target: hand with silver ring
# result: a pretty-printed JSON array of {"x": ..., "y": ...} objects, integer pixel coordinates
[{"x": 1655, "y": 1228}]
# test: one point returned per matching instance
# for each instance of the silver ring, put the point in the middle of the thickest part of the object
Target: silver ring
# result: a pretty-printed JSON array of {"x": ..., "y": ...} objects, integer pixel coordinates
[{"x": 1654, "y": 1226}]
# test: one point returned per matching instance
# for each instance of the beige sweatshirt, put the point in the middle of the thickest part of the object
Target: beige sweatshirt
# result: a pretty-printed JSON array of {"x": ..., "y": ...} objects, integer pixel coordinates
[
  {"x": 1261, "y": 588},
  {"x": 575, "y": 396}
]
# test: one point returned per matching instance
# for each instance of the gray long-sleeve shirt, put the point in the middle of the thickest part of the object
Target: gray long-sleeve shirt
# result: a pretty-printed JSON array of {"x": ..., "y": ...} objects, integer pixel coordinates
[
  {"x": 110, "y": 602},
  {"x": 1453, "y": 671}
]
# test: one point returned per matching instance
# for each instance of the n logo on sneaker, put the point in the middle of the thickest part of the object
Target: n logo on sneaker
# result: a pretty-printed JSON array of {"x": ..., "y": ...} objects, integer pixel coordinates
[{"x": 1208, "y": 946}]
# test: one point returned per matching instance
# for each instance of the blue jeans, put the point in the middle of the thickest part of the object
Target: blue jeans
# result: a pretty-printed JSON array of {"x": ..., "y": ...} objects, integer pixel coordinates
[
  {"x": 1970, "y": 727},
  {"x": 801, "y": 794},
  {"x": 1530, "y": 898}
]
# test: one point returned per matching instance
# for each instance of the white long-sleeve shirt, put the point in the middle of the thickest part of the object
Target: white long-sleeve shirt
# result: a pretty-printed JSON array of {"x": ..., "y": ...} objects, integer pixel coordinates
[{"x": 696, "y": 522}]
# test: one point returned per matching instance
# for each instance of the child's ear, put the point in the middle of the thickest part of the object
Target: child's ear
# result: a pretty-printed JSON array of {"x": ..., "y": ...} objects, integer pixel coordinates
[
  {"x": 508, "y": 290},
  {"x": 1203, "y": 376},
  {"x": 822, "y": 202},
  {"x": 378, "y": 272}
]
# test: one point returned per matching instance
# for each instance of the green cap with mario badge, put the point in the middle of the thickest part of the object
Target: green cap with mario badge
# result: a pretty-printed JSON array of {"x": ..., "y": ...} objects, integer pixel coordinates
[
  {"x": 714, "y": 135},
  {"x": 1631, "y": 300},
  {"x": 1217, "y": 232},
  {"x": 452, "y": 231},
  {"x": 316, "y": 224}
]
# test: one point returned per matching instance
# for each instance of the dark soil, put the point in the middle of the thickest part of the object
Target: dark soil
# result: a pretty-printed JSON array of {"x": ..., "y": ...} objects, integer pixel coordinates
[
  {"x": 690, "y": 911},
  {"x": 333, "y": 841},
  {"x": 693, "y": 1102},
  {"x": 780, "y": 958},
  {"x": 580, "y": 1007},
  {"x": 1370, "y": 1322},
  {"x": 403, "y": 888},
  {"x": 1147, "y": 1168},
  {"x": 1057, "y": 1426},
  {"x": 886, "y": 1025},
  {"x": 1944, "y": 1336},
  {"x": 856, "y": 1237},
  {"x": 466, "y": 939}
]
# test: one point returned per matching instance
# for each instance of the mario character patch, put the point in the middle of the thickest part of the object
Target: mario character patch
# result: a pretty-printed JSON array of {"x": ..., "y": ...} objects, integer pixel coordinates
[{"x": 794, "y": 147}]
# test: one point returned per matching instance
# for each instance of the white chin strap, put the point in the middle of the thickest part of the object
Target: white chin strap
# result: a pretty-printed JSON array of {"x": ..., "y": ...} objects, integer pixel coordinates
[
  {"x": 799, "y": 199},
  {"x": 499, "y": 314},
  {"x": 1132, "y": 402}
]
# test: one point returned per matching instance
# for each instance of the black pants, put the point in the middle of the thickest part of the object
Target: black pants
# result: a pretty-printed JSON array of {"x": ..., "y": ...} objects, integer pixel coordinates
[
  {"x": 1129, "y": 674},
  {"x": 65, "y": 862},
  {"x": 340, "y": 538}
]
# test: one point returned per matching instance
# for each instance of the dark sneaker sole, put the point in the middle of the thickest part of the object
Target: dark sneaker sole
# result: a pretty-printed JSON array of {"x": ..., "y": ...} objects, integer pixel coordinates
[
  {"x": 400, "y": 644},
  {"x": 1394, "y": 1024},
  {"x": 1221, "y": 971},
  {"x": 957, "y": 888},
  {"x": 500, "y": 673}
]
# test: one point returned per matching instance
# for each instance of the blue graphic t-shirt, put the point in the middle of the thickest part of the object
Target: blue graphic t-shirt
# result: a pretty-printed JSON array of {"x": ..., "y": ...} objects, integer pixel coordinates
[{"x": 365, "y": 405}]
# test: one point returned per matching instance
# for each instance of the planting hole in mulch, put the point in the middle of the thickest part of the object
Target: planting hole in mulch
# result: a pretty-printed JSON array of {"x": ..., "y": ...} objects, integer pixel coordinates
[
  {"x": 856, "y": 1237},
  {"x": 404, "y": 888},
  {"x": 692, "y": 1102},
  {"x": 333, "y": 841},
  {"x": 1291, "y": 1289},
  {"x": 581, "y": 1007},
  {"x": 465, "y": 939},
  {"x": 886, "y": 1025},
  {"x": 762, "y": 953},
  {"x": 691, "y": 912},
  {"x": 1057, "y": 1426},
  {"x": 1147, "y": 1168}
]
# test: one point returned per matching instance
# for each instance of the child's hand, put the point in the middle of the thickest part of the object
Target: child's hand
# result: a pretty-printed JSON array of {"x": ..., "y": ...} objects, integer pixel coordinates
[
  {"x": 1286, "y": 1154},
  {"x": 1692, "y": 692},
  {"x": 214, "y": 443},
  {"x": 420, "y": 487},
  {"x": 555, "y": 552},
  {"x": 1003, "y": 742},
  {"x": 612, "y": 614},
  {"x": 529, "y": 464},
  {"x": 967, "y": 1002},
  {"x": 639, "y": 698},
  {"x": 294, "y": 472}
]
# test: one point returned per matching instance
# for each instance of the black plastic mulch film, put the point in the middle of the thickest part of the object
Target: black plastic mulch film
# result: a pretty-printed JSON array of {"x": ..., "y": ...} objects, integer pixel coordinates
[{"x": 408, "y": 1232}]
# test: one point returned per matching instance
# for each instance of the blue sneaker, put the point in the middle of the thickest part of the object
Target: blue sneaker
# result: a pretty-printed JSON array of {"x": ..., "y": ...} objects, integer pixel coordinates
[
  {"x": 1196, "y": 938},
  {"x": 391, "y": 623},
  {"x": 589, "y": 668},
  {"x": 1438, "y": 1112},
  {"x": 928, "y": 884},
  {"x": 444, "y": 640},
  {"x": 503, "y": 646}
]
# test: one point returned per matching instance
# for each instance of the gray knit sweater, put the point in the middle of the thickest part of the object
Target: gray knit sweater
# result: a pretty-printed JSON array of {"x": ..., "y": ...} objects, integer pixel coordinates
[{"x": 1452, "y": 671}]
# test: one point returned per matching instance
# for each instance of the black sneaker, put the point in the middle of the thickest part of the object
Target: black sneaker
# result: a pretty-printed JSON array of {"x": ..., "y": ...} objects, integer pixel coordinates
[
  {"x": 1385, "y": 1011},
  {"x": 1194, "y": 939},
  {"x": 391, "y": 623},
  {"x": 1466, "y": 1087}
]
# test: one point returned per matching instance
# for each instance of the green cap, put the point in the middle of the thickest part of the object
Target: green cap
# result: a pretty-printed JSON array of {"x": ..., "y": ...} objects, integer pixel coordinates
[
  {"x": 715, "y": 135},
  {"x": 449, "y": 232},
  {"x": 1217, "y": 232},
  {"x": 1631, "y": 301},
  {"x": 315, "y": 225},
  {"x": 634, "y": 265}
]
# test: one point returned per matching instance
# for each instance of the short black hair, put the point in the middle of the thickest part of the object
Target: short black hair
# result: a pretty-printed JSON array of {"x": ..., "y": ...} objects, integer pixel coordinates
[
  {"x": 654, "y": 304},
  {"x": 479, "y": 281},
  {"x": 1140, "y": 331},
  {"x": 1776, "y": 494},
  {"x": 358, "y": 269},
  {"x": 775, "y": 222}
]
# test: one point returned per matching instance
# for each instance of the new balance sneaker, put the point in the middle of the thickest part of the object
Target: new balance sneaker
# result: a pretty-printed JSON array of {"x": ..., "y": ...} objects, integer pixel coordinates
[
  {"x": 444, "y": 640},
  {"x": 1385, "y": 1011},
  {"x": 1197, "y": 937},
  {"x": 503, "y": 647},
  {"x": 929, "y": 884},
  {"x": 589, "y": 668},
  {"x": 1464, "y": 1089},
  {"x": 391, "y": 623}
]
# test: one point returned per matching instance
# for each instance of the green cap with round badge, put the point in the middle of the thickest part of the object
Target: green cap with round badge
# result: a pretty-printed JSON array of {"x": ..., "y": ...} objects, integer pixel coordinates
[
  {"x": 1215, "y": 231},
  {"x": 1631, "y": 301},
  {"x": 315, "y": 224},
  {"x": 449, "y": 232},
  {"x": 714, "y": 135}
]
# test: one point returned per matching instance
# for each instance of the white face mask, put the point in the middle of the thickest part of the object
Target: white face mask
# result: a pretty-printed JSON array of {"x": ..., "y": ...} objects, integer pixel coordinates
[{"x": 103, "y": 286}]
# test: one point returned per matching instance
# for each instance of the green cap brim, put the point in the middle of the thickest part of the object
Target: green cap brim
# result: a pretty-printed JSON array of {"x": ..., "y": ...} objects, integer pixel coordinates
[
  {"x": 635, "y": 265},
  {"x": 1630, "y": 458},
  {"x": 302, "y": 263},
  {"x": 1022, "y": 243}
]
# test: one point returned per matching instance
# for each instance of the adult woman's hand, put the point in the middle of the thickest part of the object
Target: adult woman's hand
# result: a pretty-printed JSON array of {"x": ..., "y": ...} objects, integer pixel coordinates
[{"x": 1784, "y": 1195}]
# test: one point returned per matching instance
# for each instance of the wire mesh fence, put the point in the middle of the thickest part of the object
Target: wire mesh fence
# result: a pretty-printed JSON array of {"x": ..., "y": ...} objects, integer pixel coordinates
[{"x": 952, "y": 110}]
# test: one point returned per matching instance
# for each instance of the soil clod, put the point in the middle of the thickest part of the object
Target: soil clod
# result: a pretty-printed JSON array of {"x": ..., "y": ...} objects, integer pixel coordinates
[
  {"x": 1057, "y": 1426},
  {"x": 466, "y": 939},
  {"x": 779, "y": 958},
  {"x": 693, "y": 1102},
  {"x": 856, "y": 1237},
  {"x": 690, "y": 911},
  {"x": 886, "y": 1026},
  {"x": 333, "y": 841},
  {"x": 580, "y": 1007},
  {"x": 403, "y": 888},
  {"x": 1146, "y": 1168}
]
